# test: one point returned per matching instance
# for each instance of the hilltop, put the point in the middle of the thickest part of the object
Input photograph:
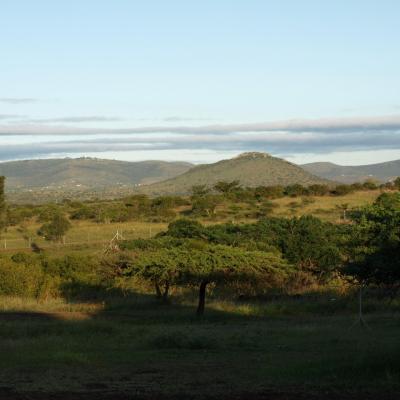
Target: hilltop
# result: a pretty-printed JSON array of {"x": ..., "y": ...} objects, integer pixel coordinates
[
  {"x": 382, "y": 172},
  {"x": 86, "y": 173},
  {"x": 251, "y": 169}
]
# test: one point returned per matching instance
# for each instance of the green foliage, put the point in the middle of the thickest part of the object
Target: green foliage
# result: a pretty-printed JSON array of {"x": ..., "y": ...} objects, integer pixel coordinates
[
  {"x": 374, "y": 247},
  {"x": 18, "y": 215},
  {"x": 193, "y": 265},
  {"x": 56, "y": 229},
  {"x": 389, "y": 201},
  {"x": 186, "y": 228},
  {"x": 20, "y": 279},
  {"x": 205, "y": 205},
  {"x": 269, "y": 192},
  {"x": 199, "y": 190},
  {"x": 318, "y": 190},
  {"x": 313, "y": 245},
  {"x": 342, "y": 190},
  {"x": 227, "y": 188},
  {"x": 295, "y": 190}
]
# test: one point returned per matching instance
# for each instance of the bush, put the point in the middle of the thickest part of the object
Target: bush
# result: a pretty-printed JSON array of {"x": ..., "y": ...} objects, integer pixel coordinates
[{"x": 24, "y": 280}]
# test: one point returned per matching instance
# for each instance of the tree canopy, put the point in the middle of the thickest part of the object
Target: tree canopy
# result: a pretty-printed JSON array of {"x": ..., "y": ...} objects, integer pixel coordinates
[{"x": 196, "y": 264}]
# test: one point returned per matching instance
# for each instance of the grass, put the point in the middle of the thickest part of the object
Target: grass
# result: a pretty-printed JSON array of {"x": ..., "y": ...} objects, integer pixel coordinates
[
  {"x": 135, "y": 346},
  {"x": 324, "y": 207},
  {"x": 83, "y": 233}
]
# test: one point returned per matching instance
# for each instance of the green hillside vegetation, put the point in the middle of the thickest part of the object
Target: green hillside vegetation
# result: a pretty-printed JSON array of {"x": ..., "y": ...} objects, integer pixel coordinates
[
  {"x": 381, "y": 172},
  {"x": 250, "y": 169},
  {"x": 86, "y": 173}
]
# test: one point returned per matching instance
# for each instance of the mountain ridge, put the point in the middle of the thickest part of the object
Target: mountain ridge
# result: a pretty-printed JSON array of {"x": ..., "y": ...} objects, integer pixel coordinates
[
  {"x": 86, "y": 172},
  {"x": 381, "y": 172}
]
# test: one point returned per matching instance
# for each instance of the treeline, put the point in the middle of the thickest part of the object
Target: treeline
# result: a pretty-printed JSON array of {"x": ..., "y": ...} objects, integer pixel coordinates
[
  {"x": 202, "y": 202},
  {"x": 234, "y": 190}
]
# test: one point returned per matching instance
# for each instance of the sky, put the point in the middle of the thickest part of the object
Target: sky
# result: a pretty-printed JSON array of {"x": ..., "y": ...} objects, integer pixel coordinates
[{"x": 200, "y": 81}]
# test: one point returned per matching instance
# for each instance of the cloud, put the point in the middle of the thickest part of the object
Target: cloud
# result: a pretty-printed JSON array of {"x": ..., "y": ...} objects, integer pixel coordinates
[
  {"x": 18, "y": 100},
  {"x": 183, "y": 119},
  {"x": 11, "y": 116},
  {"x": 282, "y": 137},
  {"x": 94, "y": 118},
  {"x": 336, "y": 125},
  {"x": 275, "y": 143}
]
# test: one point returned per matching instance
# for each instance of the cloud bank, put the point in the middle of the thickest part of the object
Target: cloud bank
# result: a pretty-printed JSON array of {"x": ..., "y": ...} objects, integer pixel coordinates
[
  {"x": 382, "y": 123},
  {"x": 282, "y": 137}
]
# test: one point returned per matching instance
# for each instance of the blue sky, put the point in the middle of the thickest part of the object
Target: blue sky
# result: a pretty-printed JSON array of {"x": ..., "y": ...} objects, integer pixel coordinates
[{"x": 200, "y": 80}]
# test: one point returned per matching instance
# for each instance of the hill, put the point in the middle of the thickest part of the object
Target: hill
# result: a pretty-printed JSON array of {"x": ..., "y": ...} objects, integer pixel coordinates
[
  {"x": 251, "y": 169},
  {"x": 86, "y": 173},
  {"x": 382, "y": 172}
]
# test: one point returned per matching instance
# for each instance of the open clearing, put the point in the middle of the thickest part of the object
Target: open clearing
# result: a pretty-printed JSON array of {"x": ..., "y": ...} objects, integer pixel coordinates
[{"x": 139, "y": 349}]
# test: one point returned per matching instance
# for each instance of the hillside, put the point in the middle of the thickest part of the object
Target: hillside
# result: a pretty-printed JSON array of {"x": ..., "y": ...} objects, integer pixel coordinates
[
  {"x": 382, "y": 172},
  {"x": 86, "y": 173},
  {"x": 251, "y": 169}
]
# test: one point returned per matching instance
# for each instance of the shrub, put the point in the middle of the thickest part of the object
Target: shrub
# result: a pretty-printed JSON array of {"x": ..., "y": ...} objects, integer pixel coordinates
[{"x": 20, "y": 279}]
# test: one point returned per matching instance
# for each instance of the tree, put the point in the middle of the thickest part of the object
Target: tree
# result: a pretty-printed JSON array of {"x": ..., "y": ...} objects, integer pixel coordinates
[
  {"x": 205, "y": 205},
  {"x": 295, "y": 190},
  {"x": 199, "y": 190},
  {"x": 227, "y": 187},
  {"x": 318, "y": 189},
  {"x": 342, "y": 190},
  {"x": 312, "y": 245},
  {"x": 201, "y": 265},
  {"x": 268, "y": 192},
  {"x": 2, "y": 204},
  {"x": 186, "y": 228},
  {"x": 161, "y": 267},
  {"x": 374, "y": 248},
  {"x": 56, "y": 229},
  {"x": 223, "y": 265}
]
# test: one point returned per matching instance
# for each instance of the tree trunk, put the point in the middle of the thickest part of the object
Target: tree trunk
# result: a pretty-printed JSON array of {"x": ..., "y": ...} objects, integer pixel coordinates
[
  {"x": 165, "y": 293},
  {"x": 158, "y": 290},
  {"x": 202, "y": 298}
]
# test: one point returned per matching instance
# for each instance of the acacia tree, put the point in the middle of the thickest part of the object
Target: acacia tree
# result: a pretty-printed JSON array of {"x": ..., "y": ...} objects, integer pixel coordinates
[
  {"x": 223, "y": 265},
  {"x": 201, "y": 265},
  {"x": 161, "y": 267}
]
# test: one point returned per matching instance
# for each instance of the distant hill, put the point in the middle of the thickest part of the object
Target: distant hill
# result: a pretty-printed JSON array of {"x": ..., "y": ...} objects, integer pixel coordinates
[
  {"x": 251, "y": 169},
  {"x": 382, "y": 172},
  {"x": 86, "y": 173}
]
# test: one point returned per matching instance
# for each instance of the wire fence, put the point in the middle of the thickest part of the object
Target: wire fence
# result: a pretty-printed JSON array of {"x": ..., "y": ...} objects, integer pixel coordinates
[{"x": 94, "y": 238}]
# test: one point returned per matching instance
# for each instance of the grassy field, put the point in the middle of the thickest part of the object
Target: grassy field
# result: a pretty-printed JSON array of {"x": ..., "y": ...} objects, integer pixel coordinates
[
  {"x": 324, "y": 207},
  {"x": 83, "y": 233},
  {"x": 135, "y": 348}
]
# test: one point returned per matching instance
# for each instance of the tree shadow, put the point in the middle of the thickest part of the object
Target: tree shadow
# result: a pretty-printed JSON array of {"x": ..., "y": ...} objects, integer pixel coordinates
[{"x": 131, "y": 345}]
